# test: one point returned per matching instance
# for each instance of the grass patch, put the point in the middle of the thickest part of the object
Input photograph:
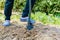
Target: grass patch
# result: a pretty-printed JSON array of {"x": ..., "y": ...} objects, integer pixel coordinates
[{"x": 46, "y": 19}]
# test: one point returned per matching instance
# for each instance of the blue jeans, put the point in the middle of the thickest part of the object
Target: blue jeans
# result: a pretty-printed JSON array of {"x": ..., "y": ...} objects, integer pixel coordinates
[
  {"x": 9, "y": 6},
  {"x": 26, "y": 10}
]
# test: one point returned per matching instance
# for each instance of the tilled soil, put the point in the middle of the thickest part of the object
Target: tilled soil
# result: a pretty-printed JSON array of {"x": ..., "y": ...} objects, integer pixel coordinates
[{"x": 17, "y": 31}]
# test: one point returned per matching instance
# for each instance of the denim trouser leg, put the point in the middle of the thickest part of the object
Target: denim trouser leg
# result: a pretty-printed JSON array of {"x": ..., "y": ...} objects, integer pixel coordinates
[
  {"x": 8, "y": 9},
  {"x": 26, "y": 10}
]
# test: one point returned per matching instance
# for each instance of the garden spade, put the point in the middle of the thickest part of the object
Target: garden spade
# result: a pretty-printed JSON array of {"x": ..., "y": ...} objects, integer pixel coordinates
[{"x": 30, "y": 25}]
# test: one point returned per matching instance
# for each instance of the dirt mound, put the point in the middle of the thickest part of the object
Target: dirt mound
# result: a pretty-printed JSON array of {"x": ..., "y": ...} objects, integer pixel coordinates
[{"x": 18, "y": 31}]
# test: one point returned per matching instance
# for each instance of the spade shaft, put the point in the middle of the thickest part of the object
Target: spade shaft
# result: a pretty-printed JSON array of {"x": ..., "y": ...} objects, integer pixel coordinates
[
  {"x": 30, "y": 25},
  {"x": 29, "y": 11}
]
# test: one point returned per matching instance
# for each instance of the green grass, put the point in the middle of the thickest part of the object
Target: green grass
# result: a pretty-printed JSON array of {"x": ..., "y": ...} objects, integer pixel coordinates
[
  {"x": 38, "y": 16},
  {"x": 50, "y": 19},
  {"x": 1, "y": 17}
]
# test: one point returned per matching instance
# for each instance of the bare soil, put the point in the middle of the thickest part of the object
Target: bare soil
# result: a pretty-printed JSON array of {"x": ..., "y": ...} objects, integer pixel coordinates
[{"x": 17, "y": 31}]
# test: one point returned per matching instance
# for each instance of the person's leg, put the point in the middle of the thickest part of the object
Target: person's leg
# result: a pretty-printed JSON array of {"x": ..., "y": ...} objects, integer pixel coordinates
[
  {"x": 25, "y": 13},
  {"x": 25, "y": 17},
  {"x": 8, "y": 11},
  {"x": 26, "y": 10}
]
